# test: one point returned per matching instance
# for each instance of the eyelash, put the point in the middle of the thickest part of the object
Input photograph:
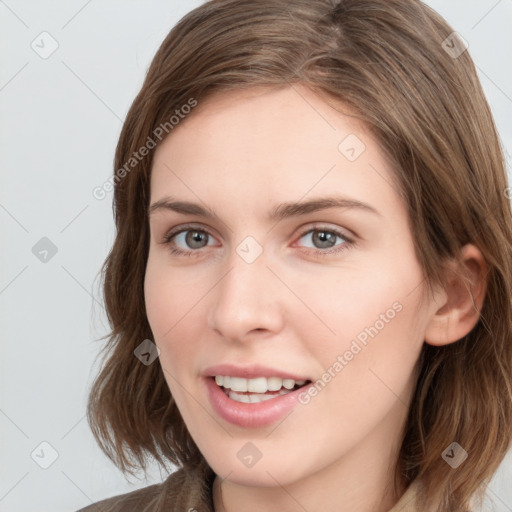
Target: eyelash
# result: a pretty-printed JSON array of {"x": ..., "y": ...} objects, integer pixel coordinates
[{"x": 179, "y": 252}]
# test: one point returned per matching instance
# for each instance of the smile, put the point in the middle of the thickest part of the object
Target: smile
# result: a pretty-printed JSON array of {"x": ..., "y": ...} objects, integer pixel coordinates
[{"x": 264, "y": 406}]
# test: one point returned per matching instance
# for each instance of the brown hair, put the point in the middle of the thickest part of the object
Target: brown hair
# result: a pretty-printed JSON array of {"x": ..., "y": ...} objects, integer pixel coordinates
[{"x": 388, "y": 61}]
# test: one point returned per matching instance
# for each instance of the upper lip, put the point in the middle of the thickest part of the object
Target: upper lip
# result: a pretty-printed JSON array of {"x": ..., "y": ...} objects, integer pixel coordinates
[{"x": 249, "y": 372}]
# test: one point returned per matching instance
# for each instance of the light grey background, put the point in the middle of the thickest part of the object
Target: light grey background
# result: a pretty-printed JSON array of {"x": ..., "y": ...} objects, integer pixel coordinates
[{"x": 60, "y": 119}]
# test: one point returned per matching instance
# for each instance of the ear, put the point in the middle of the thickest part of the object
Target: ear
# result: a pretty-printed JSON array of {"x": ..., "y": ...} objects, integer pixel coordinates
[{"x": 456, "y": 308}]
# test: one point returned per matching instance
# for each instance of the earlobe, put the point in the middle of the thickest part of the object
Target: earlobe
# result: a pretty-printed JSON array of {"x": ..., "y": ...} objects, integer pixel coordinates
[{"x": 457, "y": 307}]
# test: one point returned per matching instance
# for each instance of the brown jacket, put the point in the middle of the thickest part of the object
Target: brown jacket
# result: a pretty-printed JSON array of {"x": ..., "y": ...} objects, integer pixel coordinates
[{"x": 191, "y": 491}]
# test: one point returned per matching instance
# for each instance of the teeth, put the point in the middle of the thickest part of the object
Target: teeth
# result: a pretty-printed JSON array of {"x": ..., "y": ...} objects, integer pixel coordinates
[
  {"x": 288, "y": 383},
  {"x": 274, "y": 383},
  {"x": 255, "y": 397},
  {"x": 257, "y": 385}
]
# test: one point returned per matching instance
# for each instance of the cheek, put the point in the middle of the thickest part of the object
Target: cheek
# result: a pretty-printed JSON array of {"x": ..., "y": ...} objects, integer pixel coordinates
[
  {"x": 157, "y": 300},
  {"x": 166, "y": 296},
  {"x": 174, "y": 313},
  {"x": 345, "y": 306},
  {"x": 372, "y": 320},
  {"x": 162, "y": 308}
]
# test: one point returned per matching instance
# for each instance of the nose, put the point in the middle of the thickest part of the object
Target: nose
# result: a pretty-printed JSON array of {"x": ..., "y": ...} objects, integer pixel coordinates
[{"x": 247, "y": 300}]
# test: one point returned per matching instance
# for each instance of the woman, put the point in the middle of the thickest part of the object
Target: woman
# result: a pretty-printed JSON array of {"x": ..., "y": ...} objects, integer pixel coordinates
[{"x": 342, "y": 338}]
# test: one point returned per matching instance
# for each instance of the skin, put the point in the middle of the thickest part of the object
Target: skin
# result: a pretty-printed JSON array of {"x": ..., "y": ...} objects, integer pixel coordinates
[{"x": 240, "y": 153}]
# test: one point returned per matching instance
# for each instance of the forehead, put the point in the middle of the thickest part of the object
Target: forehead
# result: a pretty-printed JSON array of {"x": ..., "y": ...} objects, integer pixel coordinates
[{"x": 268, "y": 143}]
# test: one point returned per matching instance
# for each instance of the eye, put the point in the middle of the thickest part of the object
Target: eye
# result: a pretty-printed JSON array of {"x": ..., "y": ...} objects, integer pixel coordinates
[
  {"x": 324, "y": 240},
  {"x": 188, "y": 236},
  {"x": 193, "y": 238}
]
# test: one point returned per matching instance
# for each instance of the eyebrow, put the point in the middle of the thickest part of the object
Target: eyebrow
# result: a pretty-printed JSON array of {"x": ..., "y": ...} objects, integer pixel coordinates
[{"x": 279, "y": 212}]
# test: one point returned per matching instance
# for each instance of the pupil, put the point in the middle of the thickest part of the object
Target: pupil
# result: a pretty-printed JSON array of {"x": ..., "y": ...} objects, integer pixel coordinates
[
  {"x": 193, "y": 237},
  {"x": 324, "y": 236}
]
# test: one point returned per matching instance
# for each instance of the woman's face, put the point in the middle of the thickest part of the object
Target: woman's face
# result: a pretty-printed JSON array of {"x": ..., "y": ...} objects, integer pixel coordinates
[{"x": 330, "y": 295}]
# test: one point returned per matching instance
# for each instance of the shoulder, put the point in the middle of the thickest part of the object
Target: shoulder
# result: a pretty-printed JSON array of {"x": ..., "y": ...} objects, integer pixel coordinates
[
  {"x": 182, "y": 490},
  {"x": 408, "y": 501},
  {"x": 139, "y": 499},
  {"x": 415, "y": 495}
]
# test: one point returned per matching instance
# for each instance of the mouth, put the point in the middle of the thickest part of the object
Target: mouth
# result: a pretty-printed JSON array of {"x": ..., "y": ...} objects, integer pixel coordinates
[
  {"x": 256, "y": 390},
  {"x": 256, "y": 402}
]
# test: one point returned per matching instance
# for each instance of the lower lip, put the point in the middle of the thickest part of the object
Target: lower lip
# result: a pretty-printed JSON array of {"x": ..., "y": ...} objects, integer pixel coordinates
[{"x": 251, "y": 415}]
